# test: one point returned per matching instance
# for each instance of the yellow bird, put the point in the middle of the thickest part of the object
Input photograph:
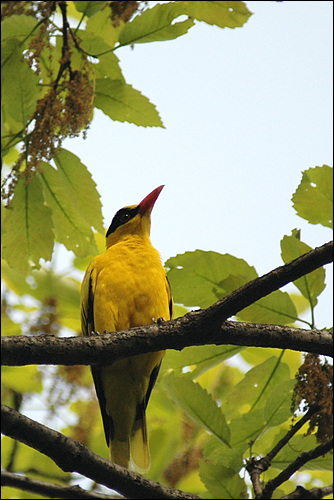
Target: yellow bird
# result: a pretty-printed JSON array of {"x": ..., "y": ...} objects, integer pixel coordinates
[{"x": 125, "y": 287}]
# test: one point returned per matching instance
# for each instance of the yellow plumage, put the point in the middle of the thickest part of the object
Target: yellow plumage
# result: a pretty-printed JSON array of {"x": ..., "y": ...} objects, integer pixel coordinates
[{"x": 125, "y": 287}]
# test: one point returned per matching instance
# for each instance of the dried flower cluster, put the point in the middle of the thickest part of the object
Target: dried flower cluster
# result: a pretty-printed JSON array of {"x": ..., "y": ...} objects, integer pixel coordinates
[
  {"x": 314, "y": 388},
  {"x": 66, "y": 109}
]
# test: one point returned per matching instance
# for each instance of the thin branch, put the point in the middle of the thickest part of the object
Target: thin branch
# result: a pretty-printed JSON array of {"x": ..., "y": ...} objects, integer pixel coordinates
[
  {"x": 72, "y": 456},
  {"x": 48, "y": 489},
  {"x": 301, "y": 460},
  {"x": 313, "y": 493},
  {"x": 256, "y": 467}
]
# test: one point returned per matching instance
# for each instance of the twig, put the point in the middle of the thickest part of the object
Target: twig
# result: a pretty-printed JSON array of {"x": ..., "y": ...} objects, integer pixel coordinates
[{"x": 72, "y": 456}]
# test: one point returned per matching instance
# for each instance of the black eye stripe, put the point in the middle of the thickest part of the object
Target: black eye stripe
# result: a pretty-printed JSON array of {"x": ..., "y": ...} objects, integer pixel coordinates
[{"x": 122, "y": 217}]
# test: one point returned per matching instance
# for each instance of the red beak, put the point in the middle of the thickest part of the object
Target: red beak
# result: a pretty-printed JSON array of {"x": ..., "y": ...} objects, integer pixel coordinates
[{"x": 147, "y": 203}]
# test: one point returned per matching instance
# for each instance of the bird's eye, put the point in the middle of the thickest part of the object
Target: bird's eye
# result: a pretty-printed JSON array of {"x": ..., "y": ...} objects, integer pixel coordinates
[{"x": 125, "y": 216}]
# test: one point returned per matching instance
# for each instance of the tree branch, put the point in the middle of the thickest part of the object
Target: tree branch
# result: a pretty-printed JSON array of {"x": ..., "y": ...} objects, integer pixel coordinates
[
  {"x": 301, "y": 460},
  {"x": 109, "y": 347},
  {"x": 72, "y": 456},
  {"x": 207, "y": 326},
  {"x": 313, "y": 493},
  {"x": 256, "y": 467},
  {"x": 48, "y": 489}
]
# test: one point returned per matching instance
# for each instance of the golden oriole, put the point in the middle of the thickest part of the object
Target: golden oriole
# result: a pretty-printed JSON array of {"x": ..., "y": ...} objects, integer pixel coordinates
[{"x": 124, "y": 287}]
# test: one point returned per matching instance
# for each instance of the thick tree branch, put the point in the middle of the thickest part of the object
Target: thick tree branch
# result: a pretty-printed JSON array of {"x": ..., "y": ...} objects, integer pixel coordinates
[
  {"x": 107, "y": 348},
  {"x": 48, "y": 489},
  {"x": 207, "y": 326},
  {"x": 72, "y": 456}
]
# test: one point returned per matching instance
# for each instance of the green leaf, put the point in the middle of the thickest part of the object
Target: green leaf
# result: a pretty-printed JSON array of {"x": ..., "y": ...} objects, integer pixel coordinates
[
  {"x": 20, "y": 90},
  {"x": 28, "y": 235},
  {"x": 313, "y": 199},
  {"x": 155, "y": 25},
  {"x": 204, "y": 357},
  {"x": 254, "y": 389},
  {"x": 298, "y": 444},
  {"x": 89, "y": 8},
  {"x": 219, "y": 454},
  {"x": 198, "y": 404},
  {"x": 247, "y": 428},
  {"x": 71, "y": 226},
  {"x": 19, "y": 27},
  {"x": 81, "y": 187},
  {"x": 276, "y": 308},
  {"x": 311, "y": 285},
  {"x": 101, "y": 25},
  {"x": 108, "y": 65},
  {"x": 278, "y": 405},
  {"x": 123, "y": 103},
  {"x": 222, "y": 482},
  {"x": 199, "y": 278},
  {"x": 222, "y": 14}
]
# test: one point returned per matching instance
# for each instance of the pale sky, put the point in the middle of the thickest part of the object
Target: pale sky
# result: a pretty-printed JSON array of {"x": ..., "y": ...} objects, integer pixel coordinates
[{"x": 246, "y": 111}]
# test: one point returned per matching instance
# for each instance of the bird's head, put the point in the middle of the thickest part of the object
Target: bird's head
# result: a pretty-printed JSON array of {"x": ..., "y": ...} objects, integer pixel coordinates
[{"x": 132, "y": 220}]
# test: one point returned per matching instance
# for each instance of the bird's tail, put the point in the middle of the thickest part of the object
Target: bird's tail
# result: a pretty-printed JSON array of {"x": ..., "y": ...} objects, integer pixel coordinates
[
  {"x": 120, "y": 452},
  {"x": 140, "y": 452}
]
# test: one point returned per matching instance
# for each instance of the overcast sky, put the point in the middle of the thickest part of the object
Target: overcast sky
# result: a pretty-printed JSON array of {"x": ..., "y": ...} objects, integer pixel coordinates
[{"x": 246, "y": 111}]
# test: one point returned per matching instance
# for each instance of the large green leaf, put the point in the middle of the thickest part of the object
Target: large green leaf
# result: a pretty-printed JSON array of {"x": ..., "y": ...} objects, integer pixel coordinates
[
  {"x": 247, "y": 428},
  {"x": 123, "y": 103},
  {"x": 27, "y": 227},
  {"x": 199, "y": 278},
  {"x": 155, "y": 24},
  {"x": 17, "y": 26},
  {"x": 222, "y": 14},
  {"x": 222, "y": 482},
  {"x": 81, "y": 187},
  {"x": 313, "y": 199},
  {"x": 20, "y": 90},
  {"x": 198, "y": 404},
  {"x": 311, "y": 285},
  {"x": 278, "y": 405},
  {"x": 203, "y": 357},
  {"x": 101, "y": 25},
  {"x": 276, "y": 308},
  {"x": 71, "y": 226},
  {"x": 254, "y": 389}
]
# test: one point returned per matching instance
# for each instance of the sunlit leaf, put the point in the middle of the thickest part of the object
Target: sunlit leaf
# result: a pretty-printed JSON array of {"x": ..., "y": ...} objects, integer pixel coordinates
[
  {"x": 313, "y": 199},
  {"x": 155, "y": 24},
  {"x": 28, "y": 235},
  {"x": 71, "y": 226},
  {"x": 222, "y": 14},
  {"x": 222, "y": 482},
  {"x": 198, "y": 278},
  {"x": 311, "y": 285},
  {"x": 198, "y": 404},
  {"x": 121, "y": 102},
  {"x": 253, "y": 390}
]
